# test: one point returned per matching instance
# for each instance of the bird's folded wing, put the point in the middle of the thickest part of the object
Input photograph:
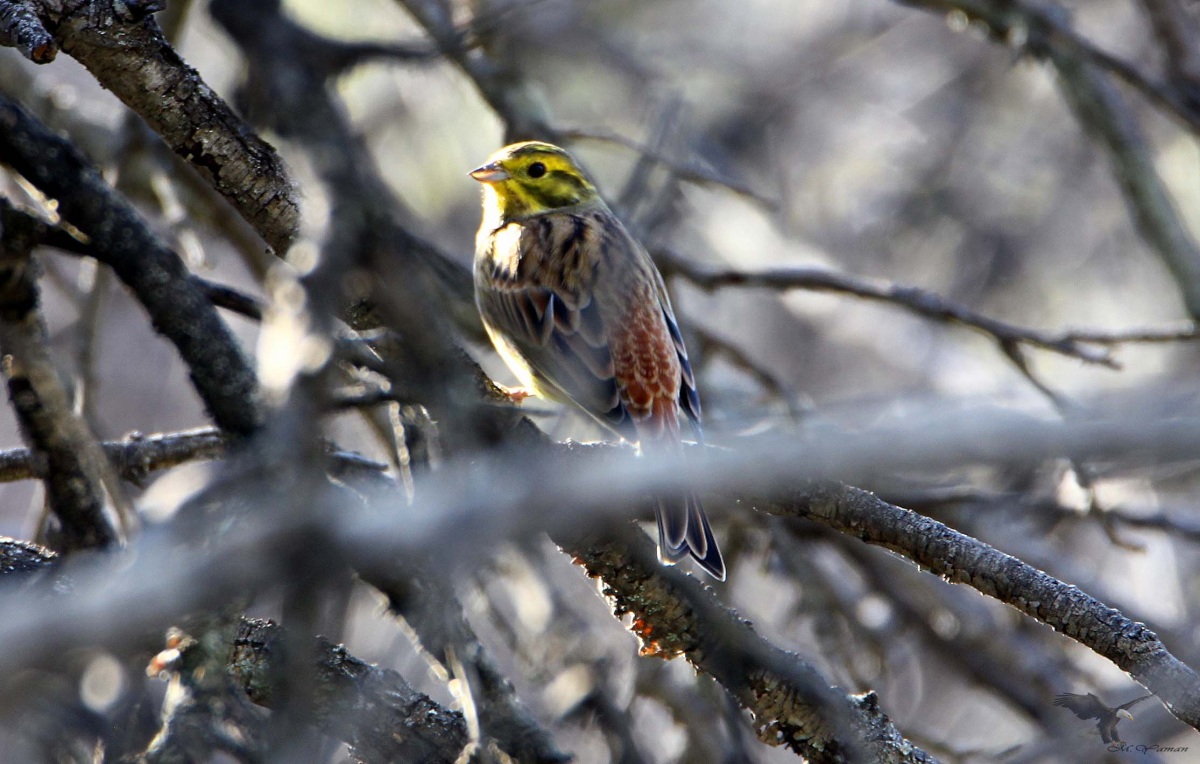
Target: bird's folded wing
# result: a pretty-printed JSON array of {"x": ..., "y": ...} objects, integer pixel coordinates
[
  {"x": 562, "y": 337},
  {"x": 689, "y": 398}
]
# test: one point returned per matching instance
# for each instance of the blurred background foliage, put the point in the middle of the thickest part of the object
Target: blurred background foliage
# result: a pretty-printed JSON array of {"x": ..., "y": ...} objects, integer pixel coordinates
[{"x": 876, "y": 139}]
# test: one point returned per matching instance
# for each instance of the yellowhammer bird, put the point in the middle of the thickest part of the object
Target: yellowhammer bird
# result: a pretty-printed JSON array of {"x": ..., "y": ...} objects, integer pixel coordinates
[{"x": 578, "y": 311}]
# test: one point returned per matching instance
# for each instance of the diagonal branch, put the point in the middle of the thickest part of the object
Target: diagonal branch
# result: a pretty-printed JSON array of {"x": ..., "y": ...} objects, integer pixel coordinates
[
  {"x": 793, "y": 704},
  {"x": 121, "y": 44},
  {"x": 914, "y": 299},
  {"x": 375, "y": 711},
  {"x": 961, "y": 559},
  {"x": 122, "y": 240},
  {"x": 74, "y": 464},
  {"x": 1043, "y": 30}
]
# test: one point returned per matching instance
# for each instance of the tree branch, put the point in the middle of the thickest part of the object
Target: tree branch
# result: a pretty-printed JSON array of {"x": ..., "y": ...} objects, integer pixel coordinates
[
  {"x": 914, "y": 299},
  {"x": 74, "y": 463},
  {"x": 122, "y": 46},
  {"x": 793, "y": 704},
  {"x": 373, "y": 710},
  {"x": 120, "y": 239},
  {"x": 20, "y": 28},
  {"x": 961, "y": 559},
  {"x": 1043, "y": 31}
]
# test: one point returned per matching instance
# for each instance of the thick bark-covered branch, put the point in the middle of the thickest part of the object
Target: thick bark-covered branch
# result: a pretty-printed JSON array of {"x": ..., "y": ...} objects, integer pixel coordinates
[
  {"x": 74, "y": 463},
  {"x": 21, "y": 28},
  {"x": 958, "y": 558},
  {"x": 122, "y": 240},
  {"x": 793, "y": 704},
  {"x": 121, "y": 44},
  {"x": 23, "y": 557},
  {"x": 375, "y": 711}
]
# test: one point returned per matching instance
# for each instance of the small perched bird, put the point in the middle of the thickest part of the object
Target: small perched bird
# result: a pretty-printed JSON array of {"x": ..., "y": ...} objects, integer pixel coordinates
[
  {"x": 1091, "y": 707},
  {"x": 575, "y": 306}
]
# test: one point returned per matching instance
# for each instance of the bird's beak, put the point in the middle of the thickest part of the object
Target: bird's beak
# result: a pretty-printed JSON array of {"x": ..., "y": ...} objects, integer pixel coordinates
[{"x": 490, "y": 173}]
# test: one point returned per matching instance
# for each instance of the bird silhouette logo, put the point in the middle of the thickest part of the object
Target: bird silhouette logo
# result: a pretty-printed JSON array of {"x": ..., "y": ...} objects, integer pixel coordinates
[{"x": 1091, "y": 707}]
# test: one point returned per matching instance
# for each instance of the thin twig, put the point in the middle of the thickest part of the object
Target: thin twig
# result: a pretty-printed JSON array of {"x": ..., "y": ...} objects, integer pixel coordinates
[
  {"x": 710, "y": 343},
  {"x": 363, "y": 396},
  {"x": 914, "y": 299},
  {"x": 229, "y": 298},
  {"x": 1037, "y": 25},
  {"x": 1179, "y": 332},
  {"x": 692, "y": 172},
  {"x": 1044, "y": 31}
]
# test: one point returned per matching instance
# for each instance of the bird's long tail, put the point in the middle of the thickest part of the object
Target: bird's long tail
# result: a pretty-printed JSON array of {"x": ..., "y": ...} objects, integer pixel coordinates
[{"x": 683, "y": 530}]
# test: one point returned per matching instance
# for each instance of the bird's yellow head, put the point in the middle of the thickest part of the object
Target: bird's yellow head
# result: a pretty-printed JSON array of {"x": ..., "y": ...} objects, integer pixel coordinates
[{"x": 530, "y": 178}]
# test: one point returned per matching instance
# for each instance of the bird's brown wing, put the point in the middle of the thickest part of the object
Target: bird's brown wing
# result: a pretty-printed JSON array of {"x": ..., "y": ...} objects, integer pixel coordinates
[
  {"x": 689, "y": 398},
  {"x": 656, "y": 382},
  {"x": 1084, "y": 706},
  {"x": 535, "y": 288}
]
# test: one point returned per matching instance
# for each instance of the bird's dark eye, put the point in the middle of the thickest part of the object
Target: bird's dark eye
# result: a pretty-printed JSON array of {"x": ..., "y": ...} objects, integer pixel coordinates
[{"x": 537, "y": 170}]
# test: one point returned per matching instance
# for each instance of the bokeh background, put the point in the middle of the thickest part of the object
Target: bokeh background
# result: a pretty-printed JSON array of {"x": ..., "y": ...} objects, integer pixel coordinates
[{"x": 864, "y": 136}]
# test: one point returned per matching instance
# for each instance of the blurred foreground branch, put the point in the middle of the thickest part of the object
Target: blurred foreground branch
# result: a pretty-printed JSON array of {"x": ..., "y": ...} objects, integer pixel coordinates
[{"x": 461, "y": 518}]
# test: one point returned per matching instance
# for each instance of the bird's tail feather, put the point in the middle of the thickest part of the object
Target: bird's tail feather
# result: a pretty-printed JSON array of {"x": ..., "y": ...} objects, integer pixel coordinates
[{"x": 683, "y": 530}]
